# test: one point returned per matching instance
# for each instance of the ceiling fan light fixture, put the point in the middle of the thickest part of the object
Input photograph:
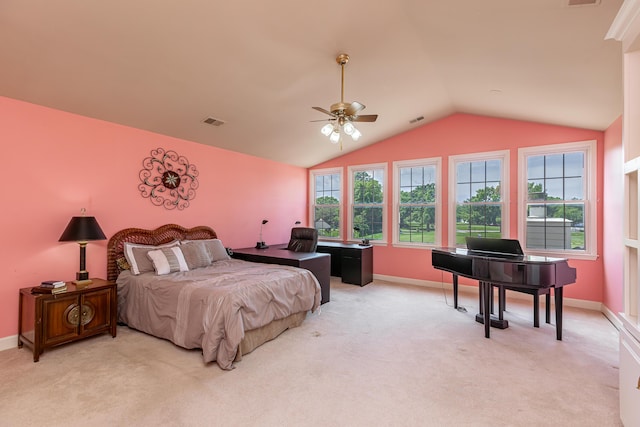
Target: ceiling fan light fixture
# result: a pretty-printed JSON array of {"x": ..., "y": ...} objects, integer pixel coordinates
[
  {"x": 343, "y": 113},
  {"x": 349, "y": 128},
  {"x": 327, "y": 129},
  {"x": 334, "y": 137}
]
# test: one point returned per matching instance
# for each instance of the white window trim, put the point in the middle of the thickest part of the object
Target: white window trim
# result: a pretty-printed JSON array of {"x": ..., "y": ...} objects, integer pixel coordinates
[
  {"x": 503, "y": 155},
  {"x": 591, "y": 210},
  {"x": 433, "y": 161},
  {"x": 350, "y": 171},
  {"x": 312, "y": 199}
]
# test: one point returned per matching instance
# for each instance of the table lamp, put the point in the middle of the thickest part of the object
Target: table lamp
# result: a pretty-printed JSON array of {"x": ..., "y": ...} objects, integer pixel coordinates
[{"x": 82, "y": 229}]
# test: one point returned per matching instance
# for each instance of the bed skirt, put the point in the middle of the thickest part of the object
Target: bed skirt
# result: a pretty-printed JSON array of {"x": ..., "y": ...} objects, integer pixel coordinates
[{"x": 256, "y": 337}]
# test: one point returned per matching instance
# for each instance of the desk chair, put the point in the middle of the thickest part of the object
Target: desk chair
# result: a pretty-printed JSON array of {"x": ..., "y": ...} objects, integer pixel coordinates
[{"x": 303, "y": 239}]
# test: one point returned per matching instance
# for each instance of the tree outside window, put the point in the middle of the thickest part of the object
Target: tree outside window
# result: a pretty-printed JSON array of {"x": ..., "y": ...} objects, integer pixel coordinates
[
  {"x": 368, "y": 200},
  {"x": 479, "y": 203},
  {"x": 417, "y": 204},
  {"x": 326, "y": 206}
]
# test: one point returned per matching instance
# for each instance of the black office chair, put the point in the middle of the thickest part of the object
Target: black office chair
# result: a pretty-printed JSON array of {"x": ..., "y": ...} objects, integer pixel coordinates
[{"x": 303, "y": 239}]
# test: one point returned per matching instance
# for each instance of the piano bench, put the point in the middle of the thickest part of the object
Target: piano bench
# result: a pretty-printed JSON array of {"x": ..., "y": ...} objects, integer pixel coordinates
[{"x": 536, "y": 302}]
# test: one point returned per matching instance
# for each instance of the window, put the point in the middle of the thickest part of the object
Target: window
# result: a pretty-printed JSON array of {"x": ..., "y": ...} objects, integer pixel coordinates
[
  {"x": 479, "y": 205},
  {"x": 367, "y": 214},
  {"x": 326, "y": 201},
  {"x": 416, "y": 214},
  {"x": 557, "y": 184}
]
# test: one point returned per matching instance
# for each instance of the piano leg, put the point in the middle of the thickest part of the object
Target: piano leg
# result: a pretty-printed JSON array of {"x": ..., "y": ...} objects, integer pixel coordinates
[
  {"x": 547, "y": 307},
  {"x": 557, "y": 293},
  {"x": 455, "y": 291},
  {"x": 486, "y": 291},
  {"x": 485, "y": 307}
]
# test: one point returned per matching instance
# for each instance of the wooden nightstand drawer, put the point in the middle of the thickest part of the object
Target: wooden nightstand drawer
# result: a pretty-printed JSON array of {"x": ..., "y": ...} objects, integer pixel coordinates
[{"x": 47, "y": 320}]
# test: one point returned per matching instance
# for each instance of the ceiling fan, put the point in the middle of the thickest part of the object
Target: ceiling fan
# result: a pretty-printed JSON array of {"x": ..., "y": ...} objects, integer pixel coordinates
[{"x": 344, "y": 113}]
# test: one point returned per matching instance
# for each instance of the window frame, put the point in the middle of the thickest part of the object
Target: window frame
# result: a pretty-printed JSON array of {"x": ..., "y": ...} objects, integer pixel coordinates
[
  {"x": 589, "y": 148},
  {"x": 313, "y": 174},
  {"x": 504, "y": 157},
  {"x": 397, "y": 165},
  {"x": 359, "y": 168}
]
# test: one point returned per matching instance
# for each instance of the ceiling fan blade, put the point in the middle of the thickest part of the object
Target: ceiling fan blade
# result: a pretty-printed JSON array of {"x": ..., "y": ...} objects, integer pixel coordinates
[
  {"x": 323, "y": 120},
  {"x": 353, "y": 108},
  {"x": 365, "y": 118},
  {"x": 322, "y": 110}
]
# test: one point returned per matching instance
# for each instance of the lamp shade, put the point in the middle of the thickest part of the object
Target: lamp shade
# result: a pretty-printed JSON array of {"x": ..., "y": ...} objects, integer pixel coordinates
[{"x": 82, "y": 229}]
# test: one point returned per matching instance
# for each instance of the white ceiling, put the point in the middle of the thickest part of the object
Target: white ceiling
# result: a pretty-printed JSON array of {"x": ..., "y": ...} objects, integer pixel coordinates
[{"x": 260, "y": 66}]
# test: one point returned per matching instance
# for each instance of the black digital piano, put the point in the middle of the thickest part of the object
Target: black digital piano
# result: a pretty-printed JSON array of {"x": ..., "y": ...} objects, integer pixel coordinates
[{"x": 501, "y": 263}]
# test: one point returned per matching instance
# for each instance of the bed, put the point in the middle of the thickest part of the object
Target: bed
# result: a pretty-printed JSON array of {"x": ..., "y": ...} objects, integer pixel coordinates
[{"x": 226, "y": 307}]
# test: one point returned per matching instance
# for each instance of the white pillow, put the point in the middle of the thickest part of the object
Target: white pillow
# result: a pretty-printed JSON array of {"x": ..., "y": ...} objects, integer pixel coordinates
[
  {"x": 138, "y": 260},
  {"x": 168, "y": 260},
  {"x": 216, "y": 249}
]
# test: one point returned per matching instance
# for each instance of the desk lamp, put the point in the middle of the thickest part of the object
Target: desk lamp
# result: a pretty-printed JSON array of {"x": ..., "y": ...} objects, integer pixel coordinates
[{"x": 261, "y": 244}]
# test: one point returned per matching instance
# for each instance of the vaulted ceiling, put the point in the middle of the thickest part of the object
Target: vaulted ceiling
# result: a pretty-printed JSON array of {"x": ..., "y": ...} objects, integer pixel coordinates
[{"x": 259, "y": 66}]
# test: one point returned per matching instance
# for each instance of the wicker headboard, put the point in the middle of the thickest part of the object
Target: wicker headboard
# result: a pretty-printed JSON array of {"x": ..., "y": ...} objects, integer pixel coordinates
[{"x": 163, "y": 234}]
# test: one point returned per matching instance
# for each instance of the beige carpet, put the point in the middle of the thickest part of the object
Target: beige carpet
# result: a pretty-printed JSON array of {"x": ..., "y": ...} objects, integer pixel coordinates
[{"x": 381, "y": 355}]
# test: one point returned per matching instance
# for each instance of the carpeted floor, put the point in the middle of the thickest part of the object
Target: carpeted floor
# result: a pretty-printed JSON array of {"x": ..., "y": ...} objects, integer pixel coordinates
[{"x": 380, "y": 355}]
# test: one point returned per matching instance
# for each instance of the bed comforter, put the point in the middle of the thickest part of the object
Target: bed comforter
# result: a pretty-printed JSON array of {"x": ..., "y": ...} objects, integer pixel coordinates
[{"x": 211, "y": 308}]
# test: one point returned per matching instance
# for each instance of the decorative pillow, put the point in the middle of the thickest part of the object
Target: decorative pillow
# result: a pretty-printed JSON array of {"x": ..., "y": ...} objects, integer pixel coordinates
[
  {"x": 136, "y": 255},
  {"x": 122, "y": 264},
  {"x": 196, "y": 254},
  {"x": 216, "y": 249},
  {"x": 168, "y": 260}
]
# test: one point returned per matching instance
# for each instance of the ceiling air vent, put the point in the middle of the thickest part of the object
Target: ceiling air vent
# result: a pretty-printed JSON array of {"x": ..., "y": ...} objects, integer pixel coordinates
[
  {"x": 583, "y": 2},
  {"x": 212, "y": 121},
  {"x": 416, "y": 120}
]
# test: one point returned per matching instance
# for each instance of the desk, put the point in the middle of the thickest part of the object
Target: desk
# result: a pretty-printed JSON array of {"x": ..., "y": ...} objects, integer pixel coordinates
[
  {"x": 352, "y": 262},
  {"x": 318, "y": 264}
]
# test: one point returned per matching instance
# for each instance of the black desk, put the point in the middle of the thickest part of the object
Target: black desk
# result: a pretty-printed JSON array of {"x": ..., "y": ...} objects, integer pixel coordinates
[
  {"x": 352, "y": 262},
  {"x": 318, "y": 264}
]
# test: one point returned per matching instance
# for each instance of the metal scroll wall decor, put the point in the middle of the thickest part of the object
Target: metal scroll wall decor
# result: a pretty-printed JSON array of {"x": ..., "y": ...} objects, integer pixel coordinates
[{"x": 168, "y": 179}]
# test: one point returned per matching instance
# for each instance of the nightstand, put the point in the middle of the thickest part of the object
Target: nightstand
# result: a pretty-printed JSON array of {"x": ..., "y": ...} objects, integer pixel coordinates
[{"x": 46, "y": 320}]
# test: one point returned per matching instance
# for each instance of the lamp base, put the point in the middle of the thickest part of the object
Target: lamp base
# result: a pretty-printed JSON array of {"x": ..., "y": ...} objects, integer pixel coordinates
[
  {"x": 261, "y": 245},
  {"x": 82, "y": 279},
  {"x": 80, "y": 284}
]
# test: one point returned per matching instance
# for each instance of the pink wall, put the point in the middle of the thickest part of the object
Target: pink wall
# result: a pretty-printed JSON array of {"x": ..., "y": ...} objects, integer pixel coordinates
[
  {"x": 461, "y": 134},
  {"x": 59, "y": 163},
  {"x": 612, "y": 251}
]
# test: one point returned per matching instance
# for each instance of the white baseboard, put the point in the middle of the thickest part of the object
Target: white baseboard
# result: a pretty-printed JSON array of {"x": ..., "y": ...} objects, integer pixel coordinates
[
  {"x": 8, "y": 342},
  {"x": 568, "y": 302},
  {"x": 613, "y": 318}
]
